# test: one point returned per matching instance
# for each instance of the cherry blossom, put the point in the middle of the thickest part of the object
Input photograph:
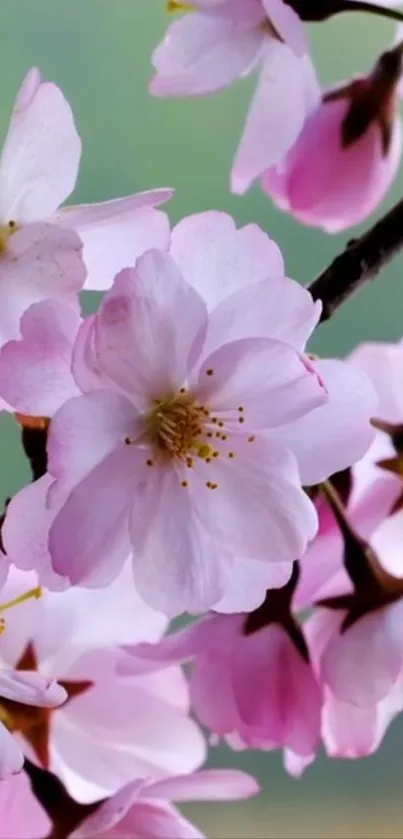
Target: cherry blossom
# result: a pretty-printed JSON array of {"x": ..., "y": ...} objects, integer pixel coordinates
[
  {"x": 251, "y": 685},
  {"x": 38, "y": 171},
  {"x": 217, "y": 43},
  {"x": 110, "y": 729},
  {"x": 144, "y": 809},
  {"x": 354, "y": 138}
]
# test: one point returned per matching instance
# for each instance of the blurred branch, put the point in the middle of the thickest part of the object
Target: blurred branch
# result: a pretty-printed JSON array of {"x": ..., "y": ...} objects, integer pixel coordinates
[{"x": 360, "y": 262}]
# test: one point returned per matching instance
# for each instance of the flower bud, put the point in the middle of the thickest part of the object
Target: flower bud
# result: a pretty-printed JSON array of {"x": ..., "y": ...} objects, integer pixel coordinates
[{"x": 347, "y": 154}]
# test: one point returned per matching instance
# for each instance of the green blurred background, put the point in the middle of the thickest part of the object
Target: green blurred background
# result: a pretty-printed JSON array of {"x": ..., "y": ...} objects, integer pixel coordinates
[{"x": 98, "y": 51}]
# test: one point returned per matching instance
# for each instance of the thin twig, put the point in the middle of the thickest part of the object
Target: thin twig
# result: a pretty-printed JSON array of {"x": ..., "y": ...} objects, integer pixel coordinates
[{"x": 360, "y": 262}]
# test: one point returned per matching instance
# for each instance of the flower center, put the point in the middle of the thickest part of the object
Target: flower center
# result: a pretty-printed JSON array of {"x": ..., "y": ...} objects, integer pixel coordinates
[
  {"x": 177, "y": 427},
  {"x": 7, "y": 230},
  {"x": 179, "y": 6}
]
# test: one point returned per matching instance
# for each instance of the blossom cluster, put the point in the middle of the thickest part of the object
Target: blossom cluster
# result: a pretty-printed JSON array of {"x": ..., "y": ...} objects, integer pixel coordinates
[{"x": 190, "y": 456}]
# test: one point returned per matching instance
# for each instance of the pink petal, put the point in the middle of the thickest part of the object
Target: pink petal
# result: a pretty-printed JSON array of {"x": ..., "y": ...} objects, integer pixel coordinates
[
  {"x": 42, "y": 262},
  {"x": 41, "y": 154},
  {"x": 143, "y": 340},
  {"x": 11, "y": 756},
  {"x": 249, "y": 581},
  {"x": 110, "y": 812},
  {"x": 189, "y": 573},
  {"x": 85, "y": 430},
  {"x": 22, "y": 815},
  {"x": 383, "y": 363},
  {"x": 25, "y": 532},
  {"x": 288, "y": 389},
  {"x": 115, "y": 233},
  {"x": 31, "y": 688},
  {"x": 275, "y": 308},
  {"x": 387, "y": 543},
  {"x": 155, "y": 821},
  {"x": 288, "y": 25},
  {"x": 205, "y": 785},
  {"x": 218, "y": 260},
  {"x": 275, "y": 118},
  {"x": 276, "y": 692},
  {"x": 258, "y": 509},
  {"x": 201, "y": 54},
  {"x": 88, "y": 542},
  {"x": 352, "y": 732},
  {"x": 35, "y": 371},
  {"x": 86, "y": 368},
  {"x": 362, "y": 664},
  {"x": 339, "y": 430}
]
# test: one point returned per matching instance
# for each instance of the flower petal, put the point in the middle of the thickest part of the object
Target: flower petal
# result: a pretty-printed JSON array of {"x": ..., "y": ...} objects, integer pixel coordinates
[
  {"x": 201, "y": 54},
  {"x": 205, "y": 785},
  {"x": 147, "y": 326},
  {"x": 275, "y": 308},
  {"x": 339, "y": 431},
  {"x": 35, "y": 371},
  {"x": 41, "y": 154},
  {"x": 115, "y": 233},
  {"x": 275, "y": 118},
  {"x": 31, "y": 688},
  {"x": 88, "y": 539},
  {"x": 218, "y": 259},
  {"x": 41, "y": 262},
  {"x": 272, "y": 382},
  {"x": 11, "y": 756},
  {"x": 189, "y": 573},
  {"x": 258, "y": 509}
]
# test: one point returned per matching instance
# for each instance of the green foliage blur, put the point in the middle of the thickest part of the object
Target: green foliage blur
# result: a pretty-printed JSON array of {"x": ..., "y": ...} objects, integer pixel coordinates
[{"x": 99, "y": 51}]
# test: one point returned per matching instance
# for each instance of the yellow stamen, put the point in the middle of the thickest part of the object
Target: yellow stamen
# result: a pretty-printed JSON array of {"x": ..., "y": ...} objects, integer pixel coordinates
[
  {"x": 6, "y": 230},
  {"x": 179, "y": 6},
  {"x": 33, "y": 592}
]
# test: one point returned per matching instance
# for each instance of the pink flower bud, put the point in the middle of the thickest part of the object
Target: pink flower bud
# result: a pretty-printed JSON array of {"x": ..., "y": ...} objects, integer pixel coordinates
[{"x": 347, "y": 154}]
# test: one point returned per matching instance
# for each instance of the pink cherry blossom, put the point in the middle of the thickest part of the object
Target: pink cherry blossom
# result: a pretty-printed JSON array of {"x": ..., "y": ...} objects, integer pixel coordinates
[
  {"x": 219, "y": 42},
  {"x": 252, "y": 685},
  {"x": 38, "y": 171},
  {"x": 110, "y": 728},
  {"x": 346, "y": 156},
  {"x": 21, "y": 816},
  {"x": 112, "y": 441},
  {"x": 361, "y": 661},
  {"x": 144, "y": 808},
  {"x": 278, "y": 316}
]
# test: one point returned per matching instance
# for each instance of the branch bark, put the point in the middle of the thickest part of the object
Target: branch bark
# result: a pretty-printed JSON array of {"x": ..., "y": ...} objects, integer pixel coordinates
[{"x": 360, "y": 262}]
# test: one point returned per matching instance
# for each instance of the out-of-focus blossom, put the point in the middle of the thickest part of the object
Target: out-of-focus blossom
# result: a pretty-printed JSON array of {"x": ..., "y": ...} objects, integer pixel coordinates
[
  {"x": 224, "y": 40},
  {"x": 143, "y": 808},
  {"x": 347, "y": 153},
  {"x": 251, "y": 679},
  {"x": 110, "y": 729},
  {"x": 348, "y": 730},
  {"x": 21, "y": 815},
  {"x": 38, "y": 171},
  {"x": 357, "y": 573}
]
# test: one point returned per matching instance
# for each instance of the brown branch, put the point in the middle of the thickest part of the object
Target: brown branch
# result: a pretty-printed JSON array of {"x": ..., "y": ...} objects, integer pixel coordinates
[{"x": 360, "y": 262}]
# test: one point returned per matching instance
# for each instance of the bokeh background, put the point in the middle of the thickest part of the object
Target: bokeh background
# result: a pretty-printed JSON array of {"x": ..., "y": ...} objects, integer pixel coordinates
[{"x": 99, "y": 51}]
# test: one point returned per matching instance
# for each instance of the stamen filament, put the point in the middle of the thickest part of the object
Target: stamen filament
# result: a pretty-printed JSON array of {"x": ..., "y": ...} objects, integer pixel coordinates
[{"x": 33, "y": 592}]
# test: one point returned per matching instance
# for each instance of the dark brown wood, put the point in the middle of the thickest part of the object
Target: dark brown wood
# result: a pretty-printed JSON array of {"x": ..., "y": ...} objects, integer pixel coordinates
[{"x": 360, "y": 262}]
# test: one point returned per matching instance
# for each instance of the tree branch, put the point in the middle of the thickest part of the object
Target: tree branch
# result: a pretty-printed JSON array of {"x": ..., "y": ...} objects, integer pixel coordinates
[{"x": 360, "y": 262}]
